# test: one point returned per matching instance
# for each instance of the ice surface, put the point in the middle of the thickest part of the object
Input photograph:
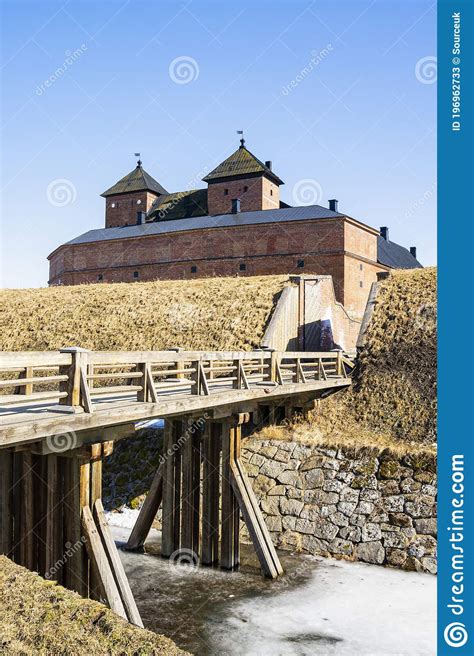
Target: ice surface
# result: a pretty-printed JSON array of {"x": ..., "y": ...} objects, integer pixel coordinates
[{"x": 321, "y": 606}]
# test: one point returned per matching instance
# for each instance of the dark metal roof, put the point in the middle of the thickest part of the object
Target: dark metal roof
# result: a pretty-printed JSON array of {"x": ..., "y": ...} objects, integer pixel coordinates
[
  {"x": 179, "y": 205},
  {"x": 136, "y": 180},
  {"x": 219, "y": 221},
  {"x": 241, "y": 162},
  {"x": 395, "y": 256}
]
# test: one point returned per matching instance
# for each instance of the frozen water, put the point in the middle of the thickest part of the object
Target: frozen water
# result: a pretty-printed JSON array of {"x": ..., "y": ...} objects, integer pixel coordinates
[{"x": 321, "y": 606}]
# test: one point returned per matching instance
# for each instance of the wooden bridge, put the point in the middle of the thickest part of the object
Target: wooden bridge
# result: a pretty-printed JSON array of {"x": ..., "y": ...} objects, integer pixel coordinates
[{"x": 60, "y": 413}]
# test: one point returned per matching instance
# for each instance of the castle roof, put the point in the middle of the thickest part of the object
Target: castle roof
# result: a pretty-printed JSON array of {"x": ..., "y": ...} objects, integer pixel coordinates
[
  {"x": 395, "y": 256},
  {"x": 388, "y": 252},
  {"x": 179, "y": 205},
  {"x": 136, "y": 180},
  {"x": 241, "y": 163},
  {"x": 306, "y": 212}
]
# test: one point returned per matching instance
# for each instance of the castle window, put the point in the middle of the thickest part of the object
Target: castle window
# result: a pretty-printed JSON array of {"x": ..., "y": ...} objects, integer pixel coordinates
[
  {"x": 361, "y": 284},
  {"x": 194, "y": 269},
  {"x": 246, "y": 188},
  {"x": 271, "y": 192},
  {"x": 135, "y": 274},
  {"x": 226, "y": 192},
  {"x": 361, "y": 267},
  {"x": 300, "y": 264},
  {"x": 139, "y": 202},
  {"x": 113, "y": 206},
  {"x": 242, "y": 266},
  {"x": 100, "y": 277}
]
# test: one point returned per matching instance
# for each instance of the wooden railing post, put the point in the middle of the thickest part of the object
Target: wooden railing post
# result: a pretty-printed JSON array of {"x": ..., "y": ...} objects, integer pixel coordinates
[
  {"x": 273, "y": 366},
  {"x": 339, "y": 363},
  {"x": 75, "y": 371},
  {"x": 196, "y": 377}
]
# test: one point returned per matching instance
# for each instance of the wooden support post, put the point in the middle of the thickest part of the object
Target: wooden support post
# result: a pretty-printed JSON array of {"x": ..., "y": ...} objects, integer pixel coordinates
[
  {"x": 230, "y": 508},
  {"x": 100, "y": 564},
  {"x": 51, "y": 462},
  {"x": 188, "y": 514},
  {"x": 6, "y": 515},
  {"x": 75, "y": 570},
  {"x": 116, "y": 566},
  {"x": 147, "y": 513},
  {"x": 96, "y": 473},
  {"x": 210, "y": 494},
  {"x": 26, "y": 488},
  {"x": 168, "y": 514},
  {"x": 196, "y": 437},
  {"x": 177, "y": 460}
]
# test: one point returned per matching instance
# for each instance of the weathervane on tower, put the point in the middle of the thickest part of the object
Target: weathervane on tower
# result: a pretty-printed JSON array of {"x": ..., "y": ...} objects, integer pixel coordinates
[
  {"x": 242, "y": 140},
  {"x": 139, "y": 163}
]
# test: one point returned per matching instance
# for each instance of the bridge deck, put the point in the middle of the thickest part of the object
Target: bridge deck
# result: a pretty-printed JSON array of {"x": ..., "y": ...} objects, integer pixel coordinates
[{"x": 76, "y": 390}]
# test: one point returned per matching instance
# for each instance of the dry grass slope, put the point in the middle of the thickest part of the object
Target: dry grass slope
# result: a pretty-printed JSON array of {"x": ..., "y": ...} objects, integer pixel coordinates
[
  {"x": 40, "y": 617},
  {"x": 214, "y": 314},
  {"x": 395, "y": 386}
]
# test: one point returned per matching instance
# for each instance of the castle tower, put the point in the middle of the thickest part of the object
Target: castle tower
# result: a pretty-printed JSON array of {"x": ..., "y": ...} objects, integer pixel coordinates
[
  {"x": 242, "y": 176},
  {"x": 132, "y": 194}
]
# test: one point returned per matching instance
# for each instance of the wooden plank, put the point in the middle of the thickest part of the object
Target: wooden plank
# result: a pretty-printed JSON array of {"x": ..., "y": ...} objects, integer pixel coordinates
[
  {"x": 187, "y": 498},
  {"x": 116, "y": 565},
  {"x": 230, "y": 511},
  {"x": 6, "y": 517},
  {"x": 27, "y": 520},
  {"x": 101, "y": 565},
  {"x": 30, "y": 427},
  {"x": 167, "y": 541},
  {"x": 85, "y": 392},
  {"x": 28, "y": 388},
  {"x": 204, "y": 385},
  {"x": 20, "y": 359},
  {"x": 253, "y": 525},
  {"x": 259, "y": 517},
  {"x": 195, "y": 439},
  {"x": 177, "y": 459},
  {"x": 51, "y": 486},
  {"x": 96, "y": 473},
  {"x": 152, "y": 395},
  {"x": 147, "y": 513},
  {"x": 75, "y": 575},
  {"x": 84, "y": 500},
  {"x": 210, "y": 494}
]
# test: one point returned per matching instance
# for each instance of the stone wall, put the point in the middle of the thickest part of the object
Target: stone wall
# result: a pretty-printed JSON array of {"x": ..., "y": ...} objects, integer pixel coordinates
[{"x": 361, "y": 504}]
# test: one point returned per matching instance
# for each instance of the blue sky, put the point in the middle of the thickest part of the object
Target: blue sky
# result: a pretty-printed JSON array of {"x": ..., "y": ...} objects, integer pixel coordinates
[{"x": 85, "y": 85}]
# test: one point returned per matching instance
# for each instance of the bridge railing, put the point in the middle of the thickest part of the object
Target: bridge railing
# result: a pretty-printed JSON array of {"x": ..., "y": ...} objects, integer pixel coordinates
[{"x": 82, "y": 380}]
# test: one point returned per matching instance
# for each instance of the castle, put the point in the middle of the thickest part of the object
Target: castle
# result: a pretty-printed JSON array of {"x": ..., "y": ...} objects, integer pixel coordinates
[{"x": 236, "y": 226}]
